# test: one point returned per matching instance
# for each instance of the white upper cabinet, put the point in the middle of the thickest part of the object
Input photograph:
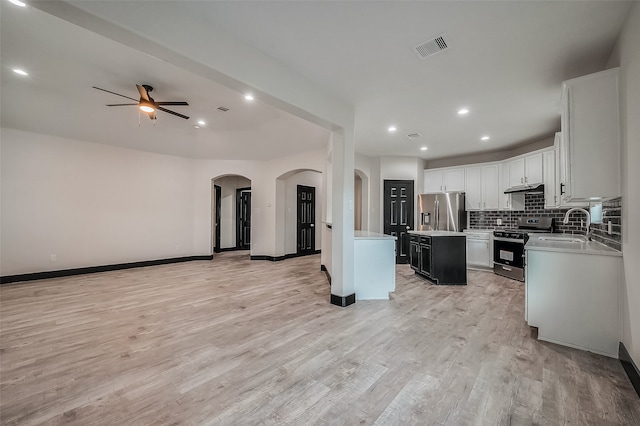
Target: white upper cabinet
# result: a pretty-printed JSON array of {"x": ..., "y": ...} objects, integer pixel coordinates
[
  {"x": 590, "y": 146},
  {"x": 525, "y": 170},
  {"x": 533, "y": 169},
  {"x": 432, "y": 181},
  {"x": 483, "y": 187},
  {"x": 441, "y": 180},
  {"x": 550, "y": 192},
  {"x": 505, "y": 199},
  {"x": 491, "y": 187},
  {"x": 453, "y": 179},
  {"x": 473, "y": 190},
  {"x": 516, "y": 172}
]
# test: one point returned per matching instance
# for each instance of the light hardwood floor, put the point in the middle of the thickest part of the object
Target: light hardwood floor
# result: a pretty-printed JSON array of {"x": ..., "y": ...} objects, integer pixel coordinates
[{"x": 239, "y": 342}]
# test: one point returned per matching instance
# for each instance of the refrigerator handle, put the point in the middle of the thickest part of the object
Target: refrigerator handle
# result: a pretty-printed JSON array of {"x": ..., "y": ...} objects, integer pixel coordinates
[{"x": 436, "y": 226}]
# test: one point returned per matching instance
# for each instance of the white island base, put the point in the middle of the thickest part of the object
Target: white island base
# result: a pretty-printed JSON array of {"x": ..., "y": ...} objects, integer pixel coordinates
[{"x": 374, "y": 266}]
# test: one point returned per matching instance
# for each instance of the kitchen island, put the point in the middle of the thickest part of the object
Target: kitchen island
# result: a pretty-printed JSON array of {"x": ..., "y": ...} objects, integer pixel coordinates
[
  {"x": 374, "y": 266},
  {"x": 572, "y": 289},
  {"x": 439, "y": 256}
]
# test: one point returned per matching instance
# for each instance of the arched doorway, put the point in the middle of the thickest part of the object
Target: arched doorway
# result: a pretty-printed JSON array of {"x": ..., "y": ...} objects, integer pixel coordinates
[
  {"x": 299, "y": 203},
  {"x": 230, "y": 213}
]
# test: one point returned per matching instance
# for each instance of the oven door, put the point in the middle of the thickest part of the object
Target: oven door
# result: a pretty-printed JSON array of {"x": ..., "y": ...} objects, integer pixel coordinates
[{"x": 508, "y": 252}]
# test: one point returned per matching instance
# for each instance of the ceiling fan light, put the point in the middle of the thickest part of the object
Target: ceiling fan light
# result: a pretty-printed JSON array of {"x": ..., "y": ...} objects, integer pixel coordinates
[{"x": 146, "y": 106}]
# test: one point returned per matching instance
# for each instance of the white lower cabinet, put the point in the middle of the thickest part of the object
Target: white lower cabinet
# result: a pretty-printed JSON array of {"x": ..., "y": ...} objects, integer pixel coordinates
[
  {"x": 479, "y": 249},
  {"x": 573, "y": 299}
]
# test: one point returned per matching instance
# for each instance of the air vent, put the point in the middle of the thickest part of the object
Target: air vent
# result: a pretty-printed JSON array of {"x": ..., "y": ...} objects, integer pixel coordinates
[
  {"x": 431, "y": 47},
  {"x": 223, "y": 109},
  {"x": 414, "y": 135}
]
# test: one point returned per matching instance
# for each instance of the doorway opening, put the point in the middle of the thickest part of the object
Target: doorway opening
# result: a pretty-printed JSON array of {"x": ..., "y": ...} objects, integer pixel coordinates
[
  {"x": 243, "y": 218},
  {"x": 298, "y": 226},
  {"x": 306, "y": 220},
  {"x": 398, "y": 214},
  {"x": 231, "y": 213}
]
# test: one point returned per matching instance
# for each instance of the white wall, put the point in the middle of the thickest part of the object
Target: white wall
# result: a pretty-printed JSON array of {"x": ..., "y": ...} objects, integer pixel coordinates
[
  {"x": 307, "y": 178},
  {"x": 228, "y": 186},
  {"x": 370, "y": 167},
  {"x": 267, "y": 226},
  {"x": 401, "y": 168},
  {"x": 90, "y": 204},
  {"x": 627, "y": 56}
]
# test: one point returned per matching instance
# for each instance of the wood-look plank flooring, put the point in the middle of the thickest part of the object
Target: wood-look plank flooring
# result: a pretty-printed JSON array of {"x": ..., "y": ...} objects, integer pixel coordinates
[{"x": 239, "y": 342}]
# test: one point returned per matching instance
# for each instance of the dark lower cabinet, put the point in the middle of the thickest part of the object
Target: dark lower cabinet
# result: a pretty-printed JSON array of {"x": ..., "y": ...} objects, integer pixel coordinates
[{"x": 440, "y": 259}]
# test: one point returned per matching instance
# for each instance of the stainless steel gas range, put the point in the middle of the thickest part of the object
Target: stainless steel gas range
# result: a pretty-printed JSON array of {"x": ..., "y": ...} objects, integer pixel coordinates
[{"x": 508, "y": 245}]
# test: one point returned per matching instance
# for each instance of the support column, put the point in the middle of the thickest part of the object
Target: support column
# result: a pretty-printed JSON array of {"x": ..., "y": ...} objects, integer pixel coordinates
[{"x": 342, "y": 244}]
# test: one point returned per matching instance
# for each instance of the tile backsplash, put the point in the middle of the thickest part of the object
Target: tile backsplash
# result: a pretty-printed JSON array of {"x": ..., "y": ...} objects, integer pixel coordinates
[{"x": 534, "y": 207}]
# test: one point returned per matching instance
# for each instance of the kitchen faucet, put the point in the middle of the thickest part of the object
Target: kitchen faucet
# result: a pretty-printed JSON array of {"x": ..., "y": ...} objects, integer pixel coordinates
[{"x": 578, "y": 209}]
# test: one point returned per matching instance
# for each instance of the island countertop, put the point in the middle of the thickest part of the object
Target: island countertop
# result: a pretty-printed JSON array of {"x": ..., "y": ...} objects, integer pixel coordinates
[
  {"x": 368, "y": 235},
  {"x": 438, "y": 233}
]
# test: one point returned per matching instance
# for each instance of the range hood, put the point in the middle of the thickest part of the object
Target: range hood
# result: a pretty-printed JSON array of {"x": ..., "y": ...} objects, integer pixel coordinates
[{"x": 537, "y": 188}]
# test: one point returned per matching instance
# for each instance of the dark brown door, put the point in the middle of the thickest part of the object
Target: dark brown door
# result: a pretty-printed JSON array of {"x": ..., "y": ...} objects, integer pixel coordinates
[
  {"x": 216, "y": 244},
  {"x": 243, "y": 218},
  {"x": 306, "y": 220},
  {"x": 398, "y": 214}
]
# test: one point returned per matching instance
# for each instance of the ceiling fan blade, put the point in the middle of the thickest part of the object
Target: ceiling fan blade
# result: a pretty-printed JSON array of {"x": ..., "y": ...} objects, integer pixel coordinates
[
  {"x": 173, "y": 103},
  {"x": 114, "y": 93},
  {"x": 121, "y": 104},
  {"x": 173, "y": 112},
  {"x": 143, "y": 92}
]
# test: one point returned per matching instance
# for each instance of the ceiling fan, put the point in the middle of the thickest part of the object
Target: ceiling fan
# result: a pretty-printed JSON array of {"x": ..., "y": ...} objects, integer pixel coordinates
[{"x": 147, "y": 103}]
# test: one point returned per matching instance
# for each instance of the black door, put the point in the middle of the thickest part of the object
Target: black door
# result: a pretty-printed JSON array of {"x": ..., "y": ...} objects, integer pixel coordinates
[
  {"x": 243, "y": 218},
  {"x": 398, "y": 214},
  {"x": 306, "y": 220},
  {"x": 218, "y": 198}
]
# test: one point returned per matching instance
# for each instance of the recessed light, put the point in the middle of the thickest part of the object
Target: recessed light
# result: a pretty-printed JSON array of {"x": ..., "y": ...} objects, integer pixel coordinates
[
  {"x": 463, "y": 111},
  {"x": 392, "y": 129},
  {"x": 485, "y": 138},
  {"x": 248, "y": 97},
  {"x": 19, "y": 71},
  {"x": 201, "y": 122},
  {"x": 196, "y": 126},
  {"x": 18, "y": 3},
  {"x": 424, "y": 148}
]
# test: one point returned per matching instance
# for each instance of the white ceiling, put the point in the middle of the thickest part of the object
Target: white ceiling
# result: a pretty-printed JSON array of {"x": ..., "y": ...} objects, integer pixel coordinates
[{"x": 505, "y": 62}]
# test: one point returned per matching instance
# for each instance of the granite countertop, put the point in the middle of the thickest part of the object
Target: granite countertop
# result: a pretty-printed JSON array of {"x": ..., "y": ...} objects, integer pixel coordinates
[
  {"x": 368, "y": 235},
  {"x": 438, "y": 233},
  {"x": 569, "y": 244}
]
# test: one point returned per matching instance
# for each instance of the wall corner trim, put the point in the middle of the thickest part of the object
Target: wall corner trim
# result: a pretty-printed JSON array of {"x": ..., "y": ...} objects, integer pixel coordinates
[{"x": 629, "y": 367}]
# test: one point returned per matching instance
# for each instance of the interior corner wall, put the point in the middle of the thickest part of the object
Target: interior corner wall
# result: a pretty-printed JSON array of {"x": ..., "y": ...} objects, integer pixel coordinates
[
  {"x": 370, "y": 166},
  {"x": 627, "y": 56},
  {"x": 401, "y": 168},
  {"x": 70, "y": 204},
  {"x": 307, "y": 178}
]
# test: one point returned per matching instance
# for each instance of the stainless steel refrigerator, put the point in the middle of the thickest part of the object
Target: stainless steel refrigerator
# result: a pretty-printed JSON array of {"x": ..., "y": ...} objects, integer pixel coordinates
[{"x": 442, "y": 211}]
